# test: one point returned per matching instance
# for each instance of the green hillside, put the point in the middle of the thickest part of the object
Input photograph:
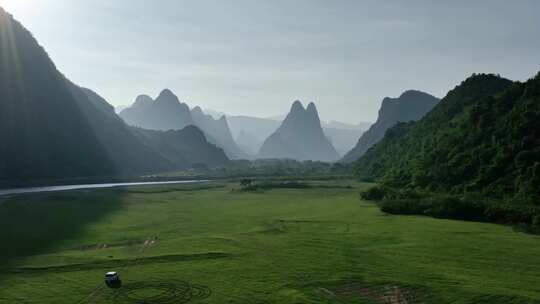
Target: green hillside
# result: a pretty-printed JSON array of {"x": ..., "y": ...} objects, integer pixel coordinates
[{"x": 483, "y": 137}]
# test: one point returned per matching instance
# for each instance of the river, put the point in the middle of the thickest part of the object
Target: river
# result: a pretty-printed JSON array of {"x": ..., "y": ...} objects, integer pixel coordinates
[{"x": 4, "y": 192}]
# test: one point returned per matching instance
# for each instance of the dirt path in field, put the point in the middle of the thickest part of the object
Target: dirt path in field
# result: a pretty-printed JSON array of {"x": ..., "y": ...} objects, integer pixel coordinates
[{"x": 170, "y": 292}]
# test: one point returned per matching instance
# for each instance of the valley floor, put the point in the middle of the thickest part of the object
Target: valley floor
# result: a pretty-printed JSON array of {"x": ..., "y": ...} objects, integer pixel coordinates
[{"x": 210, "y": 244}]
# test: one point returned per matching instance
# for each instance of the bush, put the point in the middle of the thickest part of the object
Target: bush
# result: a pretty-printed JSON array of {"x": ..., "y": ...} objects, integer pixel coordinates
[
  {"x": 246, "y": 182},
  {"x": 375, "y": 193},
  {"x": 378, "y": 193},
  {"x": 508, "y": 213},
  {"x": 404, "y": 206},
  {"x": 459, "y": 207},
  {"x": 438, "y": 206}
]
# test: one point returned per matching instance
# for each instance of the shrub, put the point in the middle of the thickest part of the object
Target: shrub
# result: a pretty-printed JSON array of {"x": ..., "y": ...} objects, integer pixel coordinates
[
  {"x": 375, "y": 193},
  {"x": 404, "y": 206},
  {"x": 468, "y": 207},
  {"x": 378, "y": 193}
]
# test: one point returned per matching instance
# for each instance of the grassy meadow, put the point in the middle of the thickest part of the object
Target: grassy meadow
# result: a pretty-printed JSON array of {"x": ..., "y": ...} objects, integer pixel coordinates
[{"x": 211, "y": 243}]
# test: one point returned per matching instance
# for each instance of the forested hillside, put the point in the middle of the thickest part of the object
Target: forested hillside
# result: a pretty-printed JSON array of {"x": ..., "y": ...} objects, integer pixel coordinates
[{"x": 483, "y": 137}]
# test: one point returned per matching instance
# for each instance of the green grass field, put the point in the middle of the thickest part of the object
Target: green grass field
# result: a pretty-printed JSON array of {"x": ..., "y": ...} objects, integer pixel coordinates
[{"x": 182, "y": 244}]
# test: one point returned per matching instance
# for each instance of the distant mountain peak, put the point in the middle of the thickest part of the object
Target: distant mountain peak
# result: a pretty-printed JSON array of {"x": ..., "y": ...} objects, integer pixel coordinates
[
  {"x": 297, "y": 106},
  {"x": 142, "y": 101},
  {"x": 197, "y": 111},
  {"x": 166, "y": 92},
  {"x": 312, "y": 109},
  {"x": 411, "y": 93},
  {"x": 168, "y": 113},
  {"x": 164, "y": 113},
  {"x": 167, "y": 96},
  {"x": 411, "y": 105},
  {"x": 300, "y": 137}
]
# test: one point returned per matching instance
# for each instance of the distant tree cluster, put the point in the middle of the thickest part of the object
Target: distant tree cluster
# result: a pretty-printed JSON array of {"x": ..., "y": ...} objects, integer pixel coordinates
[
  {"x": 281, "y": 167},
  {"x": 463, "y": 207}
]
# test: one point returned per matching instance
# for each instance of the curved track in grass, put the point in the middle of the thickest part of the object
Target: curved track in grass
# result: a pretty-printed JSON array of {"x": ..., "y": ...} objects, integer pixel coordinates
[{"x": 156, "y": 292}]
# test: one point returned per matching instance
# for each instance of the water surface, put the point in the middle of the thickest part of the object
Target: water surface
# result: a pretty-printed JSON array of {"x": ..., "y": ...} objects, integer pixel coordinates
[{"x": 4, "y": 192}]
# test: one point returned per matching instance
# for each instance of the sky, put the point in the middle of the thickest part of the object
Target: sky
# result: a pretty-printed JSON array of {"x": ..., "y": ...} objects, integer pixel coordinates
[{"x": 256, "y": 57}]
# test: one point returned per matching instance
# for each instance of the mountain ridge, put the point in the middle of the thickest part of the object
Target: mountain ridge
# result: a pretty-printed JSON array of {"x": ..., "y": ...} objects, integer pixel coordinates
[
  {"x": 342, "y": 135},
  {"x": 164, "y": 113},
  {"x": 411, "y": 105},
  {"x": 167, "y": 112},
  {"x": 481, "y": 137}
]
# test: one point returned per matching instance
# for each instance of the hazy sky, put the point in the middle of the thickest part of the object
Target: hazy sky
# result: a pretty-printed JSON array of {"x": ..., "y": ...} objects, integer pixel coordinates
[{"x": 255, "y": 57}]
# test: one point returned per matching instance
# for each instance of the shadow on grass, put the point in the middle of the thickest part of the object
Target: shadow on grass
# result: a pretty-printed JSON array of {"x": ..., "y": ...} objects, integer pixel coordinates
[{"x": 33, "y": 224}]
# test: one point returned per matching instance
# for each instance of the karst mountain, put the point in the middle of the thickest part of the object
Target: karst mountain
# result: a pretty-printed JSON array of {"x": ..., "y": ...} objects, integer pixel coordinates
[{"x": 299, "y": 137}]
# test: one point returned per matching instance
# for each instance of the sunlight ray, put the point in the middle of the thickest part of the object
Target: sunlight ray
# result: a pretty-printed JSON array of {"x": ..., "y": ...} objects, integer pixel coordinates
[{"x": 13, "y": 68}]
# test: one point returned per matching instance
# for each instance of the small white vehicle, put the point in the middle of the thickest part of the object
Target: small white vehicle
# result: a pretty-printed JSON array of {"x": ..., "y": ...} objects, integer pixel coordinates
[{"x": 112, "y": 279}]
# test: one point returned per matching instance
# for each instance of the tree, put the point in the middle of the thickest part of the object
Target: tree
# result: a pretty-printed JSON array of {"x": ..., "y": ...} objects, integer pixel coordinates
[{"x": 246, "y": 182}]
